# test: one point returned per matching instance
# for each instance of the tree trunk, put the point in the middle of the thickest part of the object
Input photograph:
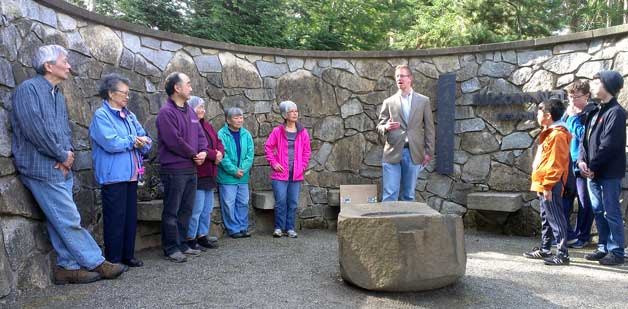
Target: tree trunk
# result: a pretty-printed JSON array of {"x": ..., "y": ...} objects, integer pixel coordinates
[{"x": 608, "y": 13}]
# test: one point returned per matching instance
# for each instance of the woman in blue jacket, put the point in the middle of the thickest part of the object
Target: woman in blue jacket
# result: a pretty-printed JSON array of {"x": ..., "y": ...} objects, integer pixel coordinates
[{"x": 118, "y": 145}]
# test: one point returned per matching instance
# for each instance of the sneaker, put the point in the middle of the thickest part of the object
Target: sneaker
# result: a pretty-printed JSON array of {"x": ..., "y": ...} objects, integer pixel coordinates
[
  {"x": 595, "y": 256},
  {"x": 245, "y": 233},
  {"x": 237, "y": 235},
  {"x": 109, "y": 270},
  {"x": 192, "y": 252},
  {"x": 205, "y": 242},
  {"x": 65, "y": 276},
  {"x": 537, "y": 253},
  {"x": 612, "y": 259},
  {"x": 557, "y": 260},
  {"x": 572, "y": 241},
  {"x": 579, "y": 244},
  {"x": 292, "y": 234},
  {"x": 177, "y": 257},
  {"x": 277, "y": 233}
]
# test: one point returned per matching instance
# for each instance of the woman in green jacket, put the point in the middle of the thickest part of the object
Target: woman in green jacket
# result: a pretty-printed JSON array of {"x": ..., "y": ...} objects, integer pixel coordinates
[{"x": 233, "y": 173}]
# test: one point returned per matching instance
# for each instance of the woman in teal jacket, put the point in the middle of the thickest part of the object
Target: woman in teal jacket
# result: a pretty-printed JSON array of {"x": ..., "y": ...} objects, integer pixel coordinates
[
  {"x": 233, "y": 174},
  {"x": 118, "y": 145}
]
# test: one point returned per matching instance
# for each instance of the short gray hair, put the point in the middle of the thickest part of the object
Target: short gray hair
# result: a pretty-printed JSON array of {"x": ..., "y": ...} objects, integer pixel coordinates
[
  {"x": 109, "y": 83},
  {"x": 285, "y": 107},
  {"x": 47, "y": 54},
  {"x": 232, "y": 112},
  {"x": 195, "y": 101}
]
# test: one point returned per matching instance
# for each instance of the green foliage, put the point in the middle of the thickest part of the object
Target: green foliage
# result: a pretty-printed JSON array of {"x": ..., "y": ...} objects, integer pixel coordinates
[{"x": 364, "y": 24}]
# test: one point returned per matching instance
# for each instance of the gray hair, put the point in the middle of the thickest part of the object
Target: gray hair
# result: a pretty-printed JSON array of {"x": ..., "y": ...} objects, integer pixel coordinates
[
  {"x": 195, "y": 101},
  {"x": 47, "y": 54},
  {"x": 109, "y": 83},
  {"x": 285, "y": 107},
  {"x": 232, "y": 112}
]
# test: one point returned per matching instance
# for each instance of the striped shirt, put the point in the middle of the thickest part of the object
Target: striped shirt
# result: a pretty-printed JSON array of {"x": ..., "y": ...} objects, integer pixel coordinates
[{"x": 41, "y": 132}]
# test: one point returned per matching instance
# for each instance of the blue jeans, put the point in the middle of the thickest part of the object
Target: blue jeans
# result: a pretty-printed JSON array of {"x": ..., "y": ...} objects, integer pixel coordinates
[
  {"x": 234, "y": 204},
  {"x": 286, "y": 195},
  {"x": 605, "y": 195},
  {"x": 74, "y": 246},
  {"x": 400, "y": 175},
  {"x": 201, "y": 214}
]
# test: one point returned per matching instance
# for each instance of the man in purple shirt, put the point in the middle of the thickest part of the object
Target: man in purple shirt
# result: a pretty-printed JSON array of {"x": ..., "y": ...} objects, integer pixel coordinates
[{"x": 181, "y": 146}]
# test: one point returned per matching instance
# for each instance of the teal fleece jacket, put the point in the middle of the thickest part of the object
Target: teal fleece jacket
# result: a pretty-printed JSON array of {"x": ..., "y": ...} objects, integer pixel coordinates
[{"x": 229, "y": 165}]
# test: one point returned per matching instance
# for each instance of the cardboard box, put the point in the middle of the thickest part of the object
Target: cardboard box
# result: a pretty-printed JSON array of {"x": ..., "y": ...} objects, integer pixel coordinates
[{"x": 357, "y": 194}]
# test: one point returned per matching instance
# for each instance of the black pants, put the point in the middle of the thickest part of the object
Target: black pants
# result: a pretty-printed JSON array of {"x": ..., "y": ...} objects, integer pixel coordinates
[
  {"x": 179, "y": 195},
  {"x": 553, "y": 221},
  {"x": 119, "y": 208}
]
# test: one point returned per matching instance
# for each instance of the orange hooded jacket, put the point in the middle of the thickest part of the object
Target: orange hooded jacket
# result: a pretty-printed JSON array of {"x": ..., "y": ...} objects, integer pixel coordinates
[{"x": 551, "y": 163}]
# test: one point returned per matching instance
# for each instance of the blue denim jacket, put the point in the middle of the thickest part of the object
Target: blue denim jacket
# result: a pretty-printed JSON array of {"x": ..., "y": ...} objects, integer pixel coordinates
[{"x": 113, "y": 138}]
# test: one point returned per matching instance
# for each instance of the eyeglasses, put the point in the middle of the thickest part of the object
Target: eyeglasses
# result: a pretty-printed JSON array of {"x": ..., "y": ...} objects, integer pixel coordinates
[
  {"x": 573, "y": 97},
  {"x": 124, "y": 93}
]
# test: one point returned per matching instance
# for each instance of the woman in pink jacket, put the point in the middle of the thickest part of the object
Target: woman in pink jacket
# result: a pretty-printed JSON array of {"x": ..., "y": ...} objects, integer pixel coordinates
[{"x": 288, "y": 153}]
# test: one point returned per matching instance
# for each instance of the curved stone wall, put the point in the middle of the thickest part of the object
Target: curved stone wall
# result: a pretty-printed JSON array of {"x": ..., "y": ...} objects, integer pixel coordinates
[{"x": 339, "y": 94}]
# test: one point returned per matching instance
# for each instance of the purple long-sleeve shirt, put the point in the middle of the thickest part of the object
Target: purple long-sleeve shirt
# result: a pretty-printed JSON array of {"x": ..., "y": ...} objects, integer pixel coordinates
[{"x": 180, "y": 137}]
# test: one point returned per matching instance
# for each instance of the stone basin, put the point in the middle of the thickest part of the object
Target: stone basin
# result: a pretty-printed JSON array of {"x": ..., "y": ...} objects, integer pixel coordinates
[{"x": 400, "y": 247}]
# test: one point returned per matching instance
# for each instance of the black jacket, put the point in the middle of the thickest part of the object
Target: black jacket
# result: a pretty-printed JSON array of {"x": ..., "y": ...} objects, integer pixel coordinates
[{"x": 603, "y": 147}]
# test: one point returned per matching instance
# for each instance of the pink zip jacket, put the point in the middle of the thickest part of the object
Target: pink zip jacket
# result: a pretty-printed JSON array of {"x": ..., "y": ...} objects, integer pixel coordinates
[{"x": 276, "y": 149}]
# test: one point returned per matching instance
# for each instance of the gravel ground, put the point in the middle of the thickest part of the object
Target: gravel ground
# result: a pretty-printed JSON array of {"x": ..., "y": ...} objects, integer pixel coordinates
[{"x": 263, "y": 272}]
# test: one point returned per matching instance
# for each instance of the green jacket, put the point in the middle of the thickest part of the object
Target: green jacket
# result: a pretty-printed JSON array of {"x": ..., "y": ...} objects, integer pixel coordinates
[{"x": 228, "y": 166}]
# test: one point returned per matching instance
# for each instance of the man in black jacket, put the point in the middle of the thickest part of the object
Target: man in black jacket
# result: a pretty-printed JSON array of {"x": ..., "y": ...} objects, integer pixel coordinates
[{"x": 602, "y": 160}]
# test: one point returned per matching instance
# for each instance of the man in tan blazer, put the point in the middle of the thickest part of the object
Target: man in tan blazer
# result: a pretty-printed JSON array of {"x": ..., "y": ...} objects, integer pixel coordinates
[{"x": 406, "y": 123}]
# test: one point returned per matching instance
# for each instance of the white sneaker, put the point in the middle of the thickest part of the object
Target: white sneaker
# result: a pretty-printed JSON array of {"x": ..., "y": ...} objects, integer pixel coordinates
[
  {"x": 292, "y": 234},
  {"x": 277, "y": 233}
]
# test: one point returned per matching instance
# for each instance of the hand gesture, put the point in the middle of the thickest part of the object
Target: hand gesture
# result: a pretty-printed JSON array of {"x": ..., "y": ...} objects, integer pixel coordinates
[
  {"x": 278, "y": 168},
  {"x": 69, "y": 161},
  {"x": 585, "y": 170},
  {"x": 219, "y": 157},
  {"x": 392, "y": 125},
  {"x": 199, "y": 158}
]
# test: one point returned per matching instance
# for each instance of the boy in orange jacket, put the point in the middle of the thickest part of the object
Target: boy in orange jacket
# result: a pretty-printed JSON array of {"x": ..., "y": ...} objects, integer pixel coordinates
[{"x": 550, "y": 169}]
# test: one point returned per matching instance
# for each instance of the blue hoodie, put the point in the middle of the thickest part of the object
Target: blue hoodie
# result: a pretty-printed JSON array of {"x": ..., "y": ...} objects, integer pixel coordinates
[{"x": 113, "y": 138}]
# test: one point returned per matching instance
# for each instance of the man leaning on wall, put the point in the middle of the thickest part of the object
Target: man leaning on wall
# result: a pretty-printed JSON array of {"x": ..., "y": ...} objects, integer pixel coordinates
[
  {"x": 43, "y": 155},
  {"x": 406, "y": 123}
]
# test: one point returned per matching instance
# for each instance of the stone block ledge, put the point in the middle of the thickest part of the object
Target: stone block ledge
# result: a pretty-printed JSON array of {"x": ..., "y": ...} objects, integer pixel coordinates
[
  {"x": 263, "y": 200},
  {"x": 62, "y": 6},
  {"x": 495, "y": 201}
]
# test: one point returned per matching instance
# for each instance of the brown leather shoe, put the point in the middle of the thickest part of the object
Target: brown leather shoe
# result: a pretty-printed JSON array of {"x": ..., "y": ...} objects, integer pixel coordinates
[
  {"x": 108, "y": 270},
  {"x": 65, "y": 276}
]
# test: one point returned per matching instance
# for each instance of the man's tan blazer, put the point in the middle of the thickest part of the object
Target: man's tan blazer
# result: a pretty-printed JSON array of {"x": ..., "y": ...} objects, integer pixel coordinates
[{"x": 418, "y": 128}]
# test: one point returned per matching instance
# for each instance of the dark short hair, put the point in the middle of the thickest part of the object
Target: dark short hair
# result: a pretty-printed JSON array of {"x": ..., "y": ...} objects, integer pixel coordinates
[
  {"x": 554, "y": 107},
  {"x": 581, "y": 86},
  {"x": 172, "y": 79},
  {"x": 110, "y": 82}
]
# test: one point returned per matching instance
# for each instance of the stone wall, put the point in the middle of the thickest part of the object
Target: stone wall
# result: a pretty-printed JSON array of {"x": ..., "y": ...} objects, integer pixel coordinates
[{"x": 338, "y": 93}]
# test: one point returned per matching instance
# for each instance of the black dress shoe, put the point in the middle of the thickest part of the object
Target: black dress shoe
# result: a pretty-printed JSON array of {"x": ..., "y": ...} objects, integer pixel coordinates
[
  {"x": 203, "y": 241},
  {"x": 133, "y": 262},
  {"x": 194, "y": 245},
  {"x": 612, "y": 259}
]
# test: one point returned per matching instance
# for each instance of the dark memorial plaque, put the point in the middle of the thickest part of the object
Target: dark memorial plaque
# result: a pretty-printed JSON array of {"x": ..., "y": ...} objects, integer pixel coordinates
[{"x": 445, "y": 119}]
